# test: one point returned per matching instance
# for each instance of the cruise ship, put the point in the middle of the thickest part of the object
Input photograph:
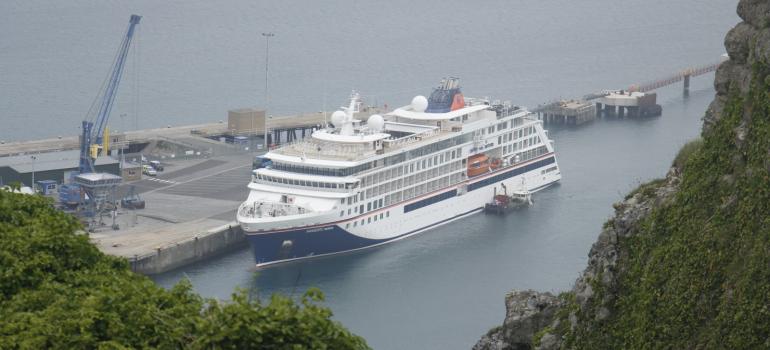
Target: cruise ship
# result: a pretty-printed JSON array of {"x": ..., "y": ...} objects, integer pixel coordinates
[{"x": 356, "y": 184}]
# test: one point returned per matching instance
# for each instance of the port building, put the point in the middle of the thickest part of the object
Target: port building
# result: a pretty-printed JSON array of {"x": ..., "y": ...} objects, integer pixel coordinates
[{"x": 55, "y": 166}]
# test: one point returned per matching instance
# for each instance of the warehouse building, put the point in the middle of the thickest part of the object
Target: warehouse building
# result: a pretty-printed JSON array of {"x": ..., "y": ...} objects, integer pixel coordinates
[{"x": 56, "y": 166}]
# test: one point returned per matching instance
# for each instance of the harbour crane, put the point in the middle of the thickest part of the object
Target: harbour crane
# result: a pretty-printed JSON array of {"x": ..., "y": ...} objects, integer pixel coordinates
[
  {"x": 91, "y": 190},
  {"x": 94, "y": 129}
]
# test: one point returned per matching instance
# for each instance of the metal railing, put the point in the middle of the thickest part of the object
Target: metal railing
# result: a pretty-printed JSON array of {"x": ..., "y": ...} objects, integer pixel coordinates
[{"x": 268, "y": 209}]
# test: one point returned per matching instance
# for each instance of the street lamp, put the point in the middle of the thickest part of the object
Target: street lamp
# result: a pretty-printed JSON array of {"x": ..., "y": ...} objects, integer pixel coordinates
[
  {"x": 267, "y": 71},
  {"x": 125, "y": 139},
  {"x": 34, "y": 158}
]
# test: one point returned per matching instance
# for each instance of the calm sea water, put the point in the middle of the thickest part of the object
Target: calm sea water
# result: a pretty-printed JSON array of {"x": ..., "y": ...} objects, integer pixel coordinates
[{"x": 441, "y": 289}]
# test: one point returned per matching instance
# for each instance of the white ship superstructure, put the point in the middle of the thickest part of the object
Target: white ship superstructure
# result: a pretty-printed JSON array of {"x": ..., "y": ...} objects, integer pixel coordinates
[{"x": 354, "y": 185}]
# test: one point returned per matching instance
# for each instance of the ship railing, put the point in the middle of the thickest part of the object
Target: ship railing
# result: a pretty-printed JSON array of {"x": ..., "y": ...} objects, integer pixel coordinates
[
  {"x": 407, "y": 140},
  {"x": 325, "y": 151},
  {"x": 306, "y": 187},
  {"x": 309, "y": 149},
  {"x": 270, "y": 210}
]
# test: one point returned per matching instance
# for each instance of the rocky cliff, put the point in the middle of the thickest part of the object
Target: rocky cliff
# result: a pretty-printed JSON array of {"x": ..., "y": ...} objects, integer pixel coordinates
[{"x": 685, "y": 261}]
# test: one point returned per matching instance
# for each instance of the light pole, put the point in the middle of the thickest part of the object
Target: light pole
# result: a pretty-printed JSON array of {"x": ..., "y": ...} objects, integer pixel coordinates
[
  {"x": 125, "y": 139},
  {"x": 33, "y": 172},
  {"x": 267, "y": 71}
]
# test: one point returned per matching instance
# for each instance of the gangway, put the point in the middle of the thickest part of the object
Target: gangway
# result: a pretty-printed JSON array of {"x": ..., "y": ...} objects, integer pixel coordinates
[{"x": 683, "y": 75}]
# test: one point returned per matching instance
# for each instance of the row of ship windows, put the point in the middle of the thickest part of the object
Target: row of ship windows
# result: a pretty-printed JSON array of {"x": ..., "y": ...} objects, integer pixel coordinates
[
  {"x": 413, "y": 179},
  {"x": 546, "y": 171},
  {"x": 294, "y": 182},
  {"x": 533, "y": 153},
  {"x": 513, "y": 147},
  {"x": 405, "y": 194},
  {"x": 302, "y": 169},
  {"x": 418, "y": 165},
  {"x": 517, "y": 134},
  {"x": 504, "y": 125},
  {"x": 369, "y": 220}
]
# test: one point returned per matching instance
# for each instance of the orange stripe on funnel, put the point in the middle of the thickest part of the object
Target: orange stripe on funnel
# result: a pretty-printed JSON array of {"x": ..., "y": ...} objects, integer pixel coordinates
[{"x": 458, "y": 101}]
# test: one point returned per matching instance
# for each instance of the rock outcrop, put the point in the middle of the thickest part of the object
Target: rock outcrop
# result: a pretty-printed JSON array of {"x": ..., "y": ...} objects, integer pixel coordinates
[
  {"x": 529, "y": 312},
  {"x": 525, "y": 314},
  {"x": 695, "y": 240}
]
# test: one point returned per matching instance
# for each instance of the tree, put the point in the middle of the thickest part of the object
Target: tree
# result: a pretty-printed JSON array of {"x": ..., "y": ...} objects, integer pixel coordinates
[{"x": 57, "y": 290}]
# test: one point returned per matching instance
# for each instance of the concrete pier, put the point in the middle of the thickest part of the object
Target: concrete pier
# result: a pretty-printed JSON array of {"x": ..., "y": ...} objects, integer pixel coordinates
[
  {"x": 623, "y": 104},
  {"x": 189, "y": 215},
  {"x": 571, "y": 112},
  {"x": 202, "y": 246}
]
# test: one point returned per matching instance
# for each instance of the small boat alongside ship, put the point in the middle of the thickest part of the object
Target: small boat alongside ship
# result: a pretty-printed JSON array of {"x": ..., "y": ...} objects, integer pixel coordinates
[
  {"x": 355, "y": 184},
  {"x": 503, "y": 203}
]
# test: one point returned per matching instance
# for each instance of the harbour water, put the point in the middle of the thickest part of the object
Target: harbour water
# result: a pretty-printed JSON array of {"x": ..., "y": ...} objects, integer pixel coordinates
[
  {"x": 441, "y": 289},
  {"x": 444, "y": 288}
]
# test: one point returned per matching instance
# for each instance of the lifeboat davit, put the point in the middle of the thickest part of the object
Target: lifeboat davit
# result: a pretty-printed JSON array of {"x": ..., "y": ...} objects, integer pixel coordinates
[{"x": 478, "y": 164}]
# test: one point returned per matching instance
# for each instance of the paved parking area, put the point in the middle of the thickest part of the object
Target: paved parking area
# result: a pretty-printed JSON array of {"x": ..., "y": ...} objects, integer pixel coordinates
[
  {"x": 191, "y": 197},
  {"x": 206, "y": 164},
  {"x": 228, "y": 185}
]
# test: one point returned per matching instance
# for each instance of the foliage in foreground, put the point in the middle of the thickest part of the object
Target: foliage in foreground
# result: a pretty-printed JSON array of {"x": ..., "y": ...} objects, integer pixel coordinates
[
  {"x": 697, "y": 275},
  {"x": 57, "y": 290}
]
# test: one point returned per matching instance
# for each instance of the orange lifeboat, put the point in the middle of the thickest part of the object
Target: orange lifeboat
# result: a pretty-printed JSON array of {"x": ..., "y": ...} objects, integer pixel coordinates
[{"x": 478, "y": 164}]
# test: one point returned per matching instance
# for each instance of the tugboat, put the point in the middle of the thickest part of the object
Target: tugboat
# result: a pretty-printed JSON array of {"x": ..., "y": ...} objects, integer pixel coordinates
[{"x": 503, "y": 203}]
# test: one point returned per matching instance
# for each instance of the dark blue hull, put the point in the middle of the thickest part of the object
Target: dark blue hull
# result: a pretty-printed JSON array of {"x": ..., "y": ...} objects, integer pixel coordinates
[{"x": 287, "y": 245}]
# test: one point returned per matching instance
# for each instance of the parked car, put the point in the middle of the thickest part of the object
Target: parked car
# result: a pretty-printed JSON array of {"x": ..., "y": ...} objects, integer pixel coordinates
[
  {"x": 148, "y": 170},
  {"x": 156, "y": 165}
]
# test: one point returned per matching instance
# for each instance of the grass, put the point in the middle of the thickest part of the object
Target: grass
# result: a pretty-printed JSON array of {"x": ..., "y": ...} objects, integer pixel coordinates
[{"x": 698, "y": 273}]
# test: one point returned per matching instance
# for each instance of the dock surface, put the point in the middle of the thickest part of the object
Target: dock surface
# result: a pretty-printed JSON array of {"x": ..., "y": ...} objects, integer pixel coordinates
[{"x": 189, "y": 214}]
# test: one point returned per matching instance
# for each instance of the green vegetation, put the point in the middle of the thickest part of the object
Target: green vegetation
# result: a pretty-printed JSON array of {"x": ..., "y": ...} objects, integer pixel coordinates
[
  {"x": 646, "y": 189},
  {"x": 57, "y": 290},
  {"x": 697, "y": 275},
  {"x": 539, "y": 335},
  {"x": 686, "y": 153}
]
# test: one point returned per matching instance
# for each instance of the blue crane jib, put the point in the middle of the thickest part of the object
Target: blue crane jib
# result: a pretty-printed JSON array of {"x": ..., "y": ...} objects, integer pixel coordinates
[{"x": 93, "y": 130}]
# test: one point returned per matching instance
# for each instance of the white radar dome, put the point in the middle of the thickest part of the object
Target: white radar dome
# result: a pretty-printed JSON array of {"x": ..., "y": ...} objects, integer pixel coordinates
[
  {"x": 338, "y": 117},
  {"x": 376, "y": 122},
  {"x": 419, "y": 103}
]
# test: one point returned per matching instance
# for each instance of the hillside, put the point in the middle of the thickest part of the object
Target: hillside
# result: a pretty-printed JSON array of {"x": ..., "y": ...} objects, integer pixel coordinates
[{"x": 685, "y": 261}]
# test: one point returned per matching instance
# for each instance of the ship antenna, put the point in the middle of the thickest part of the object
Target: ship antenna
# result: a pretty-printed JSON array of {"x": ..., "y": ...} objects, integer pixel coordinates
[
  {"x": 350, "y": 111},
  {"x": 326, "y": 122}
]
